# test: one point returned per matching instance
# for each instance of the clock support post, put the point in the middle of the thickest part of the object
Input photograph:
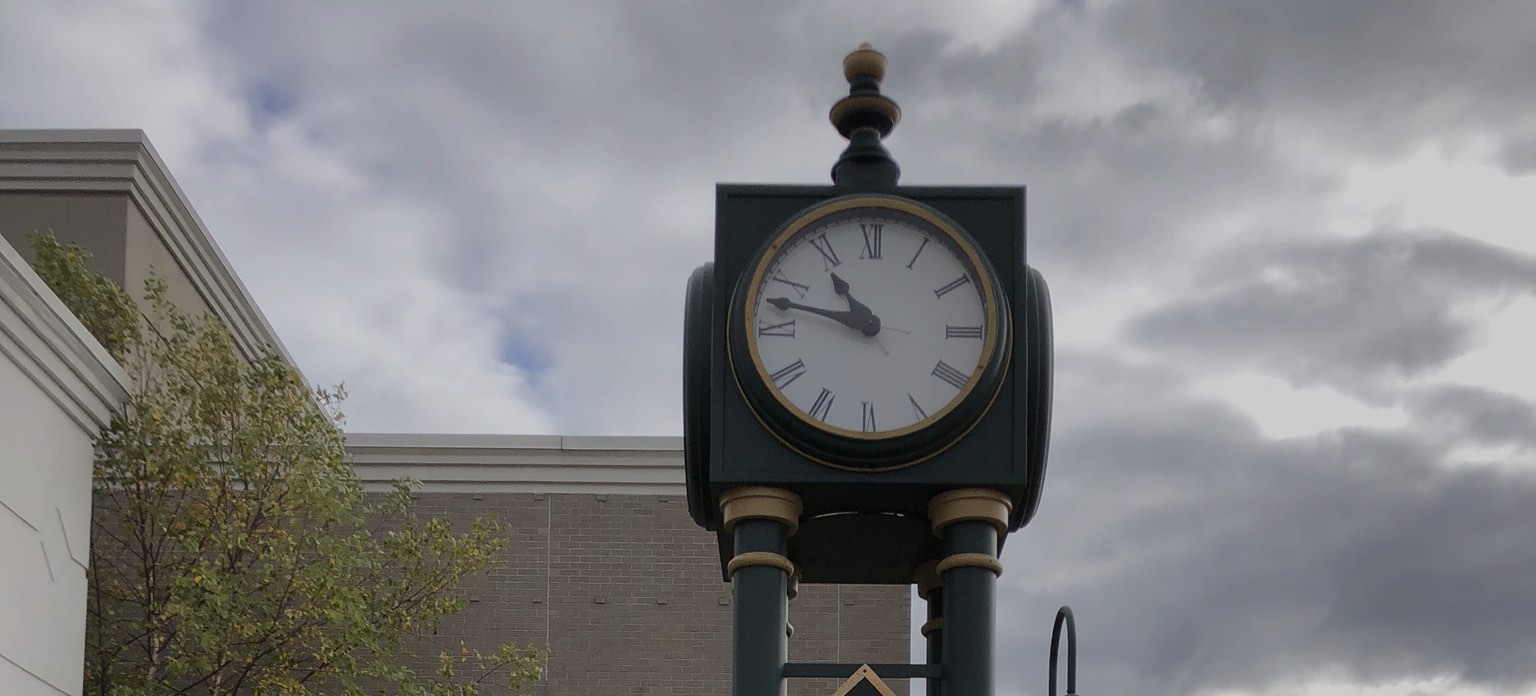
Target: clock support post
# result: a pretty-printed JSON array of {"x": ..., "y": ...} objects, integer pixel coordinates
[
  {"x": 970, "y": 521},
  {"x": 761, "y": 520},
  {"x": 936, "y": 508}
]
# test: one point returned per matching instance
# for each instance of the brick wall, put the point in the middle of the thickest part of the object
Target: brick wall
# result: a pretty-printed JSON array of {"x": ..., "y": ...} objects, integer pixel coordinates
[{"x": 625, "y": 591}]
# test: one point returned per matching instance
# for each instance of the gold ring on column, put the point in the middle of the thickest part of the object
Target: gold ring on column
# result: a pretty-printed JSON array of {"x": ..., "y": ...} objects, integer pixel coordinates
[
  {"x": 969, "y": 560},
  {"x": 759, "y": 558},
  {"x": 967, "y": 505},
  {"x": 760, "y": 503},
  {"x": 932, "y": 626}
]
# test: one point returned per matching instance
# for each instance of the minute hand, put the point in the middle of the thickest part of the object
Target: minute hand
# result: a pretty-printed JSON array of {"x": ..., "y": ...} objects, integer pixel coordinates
[{"x": 864, "y": 321}]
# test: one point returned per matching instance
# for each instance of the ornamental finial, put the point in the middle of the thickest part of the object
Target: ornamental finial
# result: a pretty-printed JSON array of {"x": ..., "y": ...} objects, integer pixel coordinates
[{"x": 865, "y": 117}]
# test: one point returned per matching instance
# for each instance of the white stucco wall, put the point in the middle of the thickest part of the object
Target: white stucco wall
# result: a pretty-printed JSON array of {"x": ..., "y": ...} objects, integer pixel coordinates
[{"x": 57, "y": 389}]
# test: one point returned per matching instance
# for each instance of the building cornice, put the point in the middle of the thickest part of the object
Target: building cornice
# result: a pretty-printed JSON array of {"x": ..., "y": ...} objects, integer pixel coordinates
[
  {"x": 520, "y": 463},
  {"x": 45, "y": 340},
  {"x": 124, "y": 161}
]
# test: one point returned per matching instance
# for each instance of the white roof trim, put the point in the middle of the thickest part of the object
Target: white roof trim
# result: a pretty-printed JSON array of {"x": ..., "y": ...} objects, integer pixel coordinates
[
  {"x": 124, "y": 161},
  {"x": 521, "y": 463},
  {"x": 45, "y": 340}
]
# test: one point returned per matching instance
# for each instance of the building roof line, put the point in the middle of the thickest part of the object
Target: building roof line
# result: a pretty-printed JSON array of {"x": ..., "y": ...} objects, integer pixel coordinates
[
  {"x": 53, "y": 349},
  {"x": 475, "y": 463},
  {"x": 124, "y": 161}
]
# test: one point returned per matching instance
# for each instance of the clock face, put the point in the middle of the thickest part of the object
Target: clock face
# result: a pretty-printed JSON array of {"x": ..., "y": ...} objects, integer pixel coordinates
[{"x": 871, "y": 319}]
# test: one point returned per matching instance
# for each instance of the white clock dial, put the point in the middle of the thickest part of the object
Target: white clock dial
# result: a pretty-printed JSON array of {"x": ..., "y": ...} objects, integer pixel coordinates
[{"x": 870, "y": 323}]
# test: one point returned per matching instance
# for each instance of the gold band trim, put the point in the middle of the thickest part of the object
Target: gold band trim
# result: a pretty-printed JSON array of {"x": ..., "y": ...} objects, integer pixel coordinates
[
  {"x": 932, "y": 626},
  {"x": 760, "y": 503},
  {"x": 927, "y": 578},
  {"x": 789, "y": 630},
  {"x": 970, "y": 504},
  {"x": 968, "y": 560},
  {"x": 878, "y": 103},
  {"x": 792, "y": 589},
  {"x": 759, "y": 558}
]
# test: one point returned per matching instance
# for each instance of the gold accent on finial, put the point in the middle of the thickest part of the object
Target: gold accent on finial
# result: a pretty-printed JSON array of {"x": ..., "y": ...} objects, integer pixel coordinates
[
  {"x": 875, "y": 103},
  {"x": 864, "y": 61},
  {"x": 970, "y": 504}
]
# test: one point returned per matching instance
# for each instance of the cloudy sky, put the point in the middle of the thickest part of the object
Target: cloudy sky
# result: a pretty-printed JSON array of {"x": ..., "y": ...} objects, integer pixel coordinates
[{"x": 1290, "y": 246}]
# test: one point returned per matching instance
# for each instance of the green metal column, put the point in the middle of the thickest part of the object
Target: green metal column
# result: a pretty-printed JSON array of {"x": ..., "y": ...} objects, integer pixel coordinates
[
  {"x": 761, "y": 606},
  {"x": 969, "y": 521},
  {"x": 970, "y": 589}
]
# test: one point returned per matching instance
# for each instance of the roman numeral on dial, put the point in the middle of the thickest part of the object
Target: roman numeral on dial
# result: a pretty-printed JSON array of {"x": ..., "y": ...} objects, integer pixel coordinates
[
  {"x": 828, "y": 254},
  {"x": 871, "y": 241},
  {"x": 918, "y": 253},
  {"x": 787, "y": 374},
  {"x": 778, "y": 277},
  {"x": 951, "y": 285},
  {"x": 869, "y": 416},
  {"x": 956, "y": 378},
  {"x": 823, "y": 405},
  {"x": 921, "y": 414},
  {"x": 785, "y": 329},
  {"x": 962, "y": 332}
]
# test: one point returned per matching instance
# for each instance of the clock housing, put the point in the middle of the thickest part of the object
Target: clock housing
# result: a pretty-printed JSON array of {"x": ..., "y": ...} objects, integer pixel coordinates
[{"x": 863, "y": 525}]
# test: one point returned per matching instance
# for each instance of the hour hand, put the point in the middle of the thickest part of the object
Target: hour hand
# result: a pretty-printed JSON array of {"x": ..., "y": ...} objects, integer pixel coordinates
[
  {"x": 863, "y": 322},
  {"x": 840, "y": 287}
]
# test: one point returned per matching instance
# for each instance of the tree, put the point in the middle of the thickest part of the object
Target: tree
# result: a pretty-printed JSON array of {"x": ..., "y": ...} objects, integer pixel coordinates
[{"x": 233, "y": 548}]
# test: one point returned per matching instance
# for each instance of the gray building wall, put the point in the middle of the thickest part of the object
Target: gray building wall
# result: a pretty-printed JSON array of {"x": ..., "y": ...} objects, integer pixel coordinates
[
  {"x": 123, "y": 244},
  {"x": 95, "y": 221}
]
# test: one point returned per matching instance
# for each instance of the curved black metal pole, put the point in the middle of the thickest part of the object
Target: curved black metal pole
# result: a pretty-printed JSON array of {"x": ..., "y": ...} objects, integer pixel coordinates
[{"x": 1064, "y": 615}]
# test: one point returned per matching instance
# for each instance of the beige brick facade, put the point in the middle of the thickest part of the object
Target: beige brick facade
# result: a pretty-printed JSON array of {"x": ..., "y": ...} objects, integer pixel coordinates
[{"x": 626, "y": 593}]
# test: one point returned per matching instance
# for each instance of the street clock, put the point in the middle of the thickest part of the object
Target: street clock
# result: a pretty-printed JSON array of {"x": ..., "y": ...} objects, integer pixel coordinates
[{"x": 863, "y": 349}]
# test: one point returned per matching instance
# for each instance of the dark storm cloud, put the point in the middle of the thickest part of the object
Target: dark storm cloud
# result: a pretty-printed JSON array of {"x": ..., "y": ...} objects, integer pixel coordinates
[
  {"x": 1125, "y": 191},
  {"x": 1518, "y": 156},
  {"x": 1343, "y": 312},
  {"x": 1378, "y": 75},
  {"x": 1200, "y": 556},
  {"x": 1473, "y": 415}
]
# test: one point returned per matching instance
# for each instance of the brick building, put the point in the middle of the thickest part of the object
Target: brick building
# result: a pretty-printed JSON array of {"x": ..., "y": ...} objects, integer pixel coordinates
[{"x": 605, "y": 567}]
